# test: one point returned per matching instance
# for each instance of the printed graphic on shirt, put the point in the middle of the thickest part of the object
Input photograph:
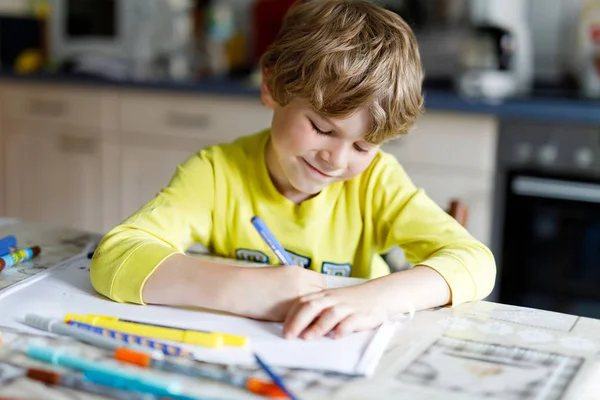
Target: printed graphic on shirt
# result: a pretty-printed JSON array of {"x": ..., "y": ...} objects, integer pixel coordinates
[
  {"x": 252, "y": 255},
  {"x": 336, "y": 269},
  {"x": 299, "y": 260}
]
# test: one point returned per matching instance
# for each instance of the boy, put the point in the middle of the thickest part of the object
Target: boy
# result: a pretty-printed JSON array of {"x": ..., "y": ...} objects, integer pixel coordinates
[{"x": 342, "y": 78}]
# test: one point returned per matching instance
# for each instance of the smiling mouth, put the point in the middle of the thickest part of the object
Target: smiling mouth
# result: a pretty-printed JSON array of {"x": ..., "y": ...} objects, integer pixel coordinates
[{"x": 317, "y": 171}]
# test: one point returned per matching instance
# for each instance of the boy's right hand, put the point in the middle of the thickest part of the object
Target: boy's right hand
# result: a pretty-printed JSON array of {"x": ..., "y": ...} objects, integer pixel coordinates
[{"x": 269, "y": 292}]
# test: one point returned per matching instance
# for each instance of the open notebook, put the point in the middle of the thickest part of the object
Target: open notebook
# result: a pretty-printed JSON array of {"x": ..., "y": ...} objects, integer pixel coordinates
[{"x": 67, "y": 289}]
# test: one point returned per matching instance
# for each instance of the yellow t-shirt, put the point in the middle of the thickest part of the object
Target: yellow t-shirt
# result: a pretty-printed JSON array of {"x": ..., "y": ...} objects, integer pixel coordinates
[{"x": 214, "y": 194}]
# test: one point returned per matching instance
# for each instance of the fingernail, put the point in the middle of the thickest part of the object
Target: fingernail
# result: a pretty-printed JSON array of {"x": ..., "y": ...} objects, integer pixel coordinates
[{"x": 309, "y": 335}]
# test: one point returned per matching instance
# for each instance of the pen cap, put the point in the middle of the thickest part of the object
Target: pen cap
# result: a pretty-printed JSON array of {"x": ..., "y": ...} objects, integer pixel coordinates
[
  {"x": 136, "y": 384},
  {"x": 7, "y": 243},
  {"x": 36, "y": 321},
  {"x": 43, "y": 354},
  {"x": 133, "y": 357},
  {"x": 48, "y": 377},
  {"x": 35, "y": 250}
]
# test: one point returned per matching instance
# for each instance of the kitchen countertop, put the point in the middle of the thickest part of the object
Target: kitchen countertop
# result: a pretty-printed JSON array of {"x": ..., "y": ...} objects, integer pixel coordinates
[
  {"x": 478, "y": 350},
  {"x": 548, "y": 105}
]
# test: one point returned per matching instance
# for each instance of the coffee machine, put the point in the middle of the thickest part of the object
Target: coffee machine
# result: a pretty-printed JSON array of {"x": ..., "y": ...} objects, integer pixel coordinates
[{"x": 496, "y": 60}]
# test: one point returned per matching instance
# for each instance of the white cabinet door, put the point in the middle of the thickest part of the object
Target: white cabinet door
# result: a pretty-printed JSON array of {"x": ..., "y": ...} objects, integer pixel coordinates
[
  {"x": 450, "y": 140},
  {"x": 59, "y": 175}
]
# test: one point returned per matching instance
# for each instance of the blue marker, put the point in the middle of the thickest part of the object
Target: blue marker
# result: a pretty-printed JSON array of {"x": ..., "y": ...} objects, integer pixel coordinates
[
  {"x": 136, "y": 385},
  {"x": 273, "y": 243},
  {"x": 119, "y": 377}
]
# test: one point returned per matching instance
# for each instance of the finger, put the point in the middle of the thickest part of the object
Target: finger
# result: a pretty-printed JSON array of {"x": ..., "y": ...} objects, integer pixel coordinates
[
  {"x": 326, "y": 322},
  {"x": 306, "y": 314},
  {"x": 355, "y": 323},
  {"x": 296, "y": 307},
  {"x": 347, "y": 326},
  {"x": 291, "y": 315}
]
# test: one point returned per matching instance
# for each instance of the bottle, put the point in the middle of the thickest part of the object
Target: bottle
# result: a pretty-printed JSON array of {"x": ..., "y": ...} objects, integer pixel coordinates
[
  {"x": 220, "y": 28},
  {"x": 588, "y": 49}
]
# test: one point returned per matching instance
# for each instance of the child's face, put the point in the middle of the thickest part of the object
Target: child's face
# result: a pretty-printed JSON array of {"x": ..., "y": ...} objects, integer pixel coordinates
[{"x": 307, "y": 151}]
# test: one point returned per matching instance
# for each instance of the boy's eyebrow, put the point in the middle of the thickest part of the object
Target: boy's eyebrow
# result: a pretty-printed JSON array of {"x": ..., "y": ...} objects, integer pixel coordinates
[
  {"x": 328, "y": 120},
  {"x": 336, "y": 128}
]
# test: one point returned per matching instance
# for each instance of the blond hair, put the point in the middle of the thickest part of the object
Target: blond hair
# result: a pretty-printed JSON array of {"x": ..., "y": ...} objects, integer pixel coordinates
[{"x": 342, "y": 55}]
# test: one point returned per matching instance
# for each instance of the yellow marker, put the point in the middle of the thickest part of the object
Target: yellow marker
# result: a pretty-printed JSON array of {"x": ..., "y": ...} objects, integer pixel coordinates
[
  {"x": 206, "y": 339},
  {"x": 228, "y": 340}
]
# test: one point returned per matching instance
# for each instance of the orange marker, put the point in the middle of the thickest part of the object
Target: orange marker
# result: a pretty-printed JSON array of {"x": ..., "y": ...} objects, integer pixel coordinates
[{"x": 252, "y": 385}]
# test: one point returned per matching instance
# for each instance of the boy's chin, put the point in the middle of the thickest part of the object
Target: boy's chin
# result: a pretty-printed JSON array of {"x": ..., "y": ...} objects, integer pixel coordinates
[{"x": 309, "y": 189}]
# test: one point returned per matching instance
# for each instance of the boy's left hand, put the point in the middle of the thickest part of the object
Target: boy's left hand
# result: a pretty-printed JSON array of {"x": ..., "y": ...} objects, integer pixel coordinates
[{"x": 336, "y": 311}]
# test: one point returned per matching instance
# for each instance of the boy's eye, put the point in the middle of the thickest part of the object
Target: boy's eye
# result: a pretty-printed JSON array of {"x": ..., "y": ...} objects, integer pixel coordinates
[
  {"x": 360, "y": 149},
  {"x": 319, "y": 131}
]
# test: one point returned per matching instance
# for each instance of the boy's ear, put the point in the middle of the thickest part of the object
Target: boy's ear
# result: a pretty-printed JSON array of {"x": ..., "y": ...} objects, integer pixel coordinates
[{"x": 265, "y": 93}]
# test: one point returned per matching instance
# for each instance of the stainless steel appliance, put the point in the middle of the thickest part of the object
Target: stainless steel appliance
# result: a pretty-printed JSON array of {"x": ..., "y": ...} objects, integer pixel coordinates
[
  {"x": 497, "y": 58},
  {"x": 547, "y": 216}
]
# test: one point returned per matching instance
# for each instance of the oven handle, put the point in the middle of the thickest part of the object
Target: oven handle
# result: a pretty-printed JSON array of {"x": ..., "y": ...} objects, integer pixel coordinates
[{"x": 556, "y": 189}]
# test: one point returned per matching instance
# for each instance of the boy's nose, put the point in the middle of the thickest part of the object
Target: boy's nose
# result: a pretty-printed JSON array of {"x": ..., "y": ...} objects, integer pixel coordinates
[{"x": 336, "y": 158}]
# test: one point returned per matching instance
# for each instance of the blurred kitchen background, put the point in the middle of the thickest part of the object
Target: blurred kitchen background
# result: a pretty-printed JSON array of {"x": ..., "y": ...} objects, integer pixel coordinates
[{"x": 100, "y": 99}]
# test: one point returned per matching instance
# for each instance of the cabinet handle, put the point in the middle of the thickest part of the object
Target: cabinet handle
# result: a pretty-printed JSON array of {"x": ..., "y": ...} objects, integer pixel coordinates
[
  {"x": 48, "y": 108},
  {"x": 183, "y": 120},
  {"x": 77, "y": 145}
]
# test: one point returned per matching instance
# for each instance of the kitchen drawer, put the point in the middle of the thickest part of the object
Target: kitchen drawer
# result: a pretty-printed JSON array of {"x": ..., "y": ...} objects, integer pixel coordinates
[
  {"x": 67, "y": 105},
  {"x": 449, "y": 140},
  {"x": 75, "y": 133},
  {"x": 215, "y": 118}
]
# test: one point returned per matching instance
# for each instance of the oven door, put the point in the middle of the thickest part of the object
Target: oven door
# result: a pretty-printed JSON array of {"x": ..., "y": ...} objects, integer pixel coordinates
[{"x": 551, "y": 243}]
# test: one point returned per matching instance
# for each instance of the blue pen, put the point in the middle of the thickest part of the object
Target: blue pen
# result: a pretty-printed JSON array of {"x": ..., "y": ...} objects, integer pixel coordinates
[
  {"x": 270, "y": 239},
  {"x": 166, "y": 348},
  {"x": 61, "y": 358},
  {"x": 276, "y": 378}
]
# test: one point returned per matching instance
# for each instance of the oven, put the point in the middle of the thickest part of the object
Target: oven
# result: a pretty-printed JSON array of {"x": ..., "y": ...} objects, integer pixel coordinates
[{"x": 546, "y": 235}]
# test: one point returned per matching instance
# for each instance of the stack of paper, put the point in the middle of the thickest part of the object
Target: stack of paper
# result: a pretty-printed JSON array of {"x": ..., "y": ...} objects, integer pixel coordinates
[{"x": 67, "y": 289}]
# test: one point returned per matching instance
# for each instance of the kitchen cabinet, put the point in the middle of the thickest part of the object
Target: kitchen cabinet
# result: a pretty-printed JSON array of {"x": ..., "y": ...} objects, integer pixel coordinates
[
  {"x": 145, "y": 170},
  {"x": 58, "y": 175},
  {"x": 88, "y": 156},
  {"x": 159, "y": 132},
  {"x": 60, "y": 154}
]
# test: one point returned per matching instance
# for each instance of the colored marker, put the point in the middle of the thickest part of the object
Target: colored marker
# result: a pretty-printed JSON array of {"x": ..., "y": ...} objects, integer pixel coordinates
[
  {"x": 18, "y": 256},
  {"x": 271, "y": 241},
  {"x": 228, "y": 340},
  {"x": 166, "y": 348},
  {"x": 8, "y": 245},
  {"x": 135, "y": 385},
  {"x": 76, "y": 382},
  {"x": 276, "y": 378},
  {"x": 108, "y": 373},
  {"x": 60, "y": 328},
  {"x": 205, "y": 339},
  {"x": 252, "y": 385}
]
